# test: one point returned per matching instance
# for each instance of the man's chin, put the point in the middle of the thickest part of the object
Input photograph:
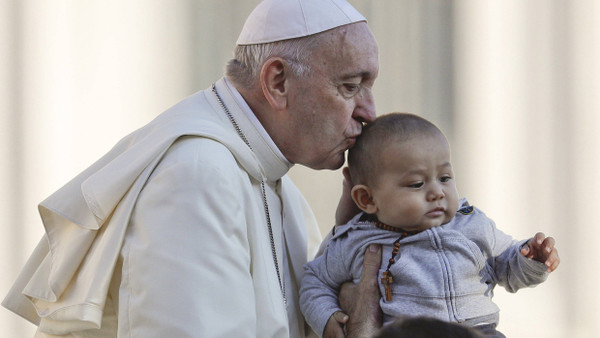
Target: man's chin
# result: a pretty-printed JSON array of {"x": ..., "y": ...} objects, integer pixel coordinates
[{"x": 329, "y": 163}]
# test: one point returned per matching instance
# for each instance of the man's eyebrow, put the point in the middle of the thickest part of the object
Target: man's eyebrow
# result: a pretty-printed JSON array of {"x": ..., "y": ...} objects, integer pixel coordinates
[{"x": 362, "y": 75}]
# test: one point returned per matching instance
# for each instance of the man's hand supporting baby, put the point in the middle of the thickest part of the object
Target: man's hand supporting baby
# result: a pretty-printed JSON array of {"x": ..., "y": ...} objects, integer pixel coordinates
[{"x": 362, "y": 315}]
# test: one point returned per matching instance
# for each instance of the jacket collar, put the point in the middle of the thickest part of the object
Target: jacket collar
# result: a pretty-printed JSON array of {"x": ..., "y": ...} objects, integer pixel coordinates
[{"x": 272, "y": 161}]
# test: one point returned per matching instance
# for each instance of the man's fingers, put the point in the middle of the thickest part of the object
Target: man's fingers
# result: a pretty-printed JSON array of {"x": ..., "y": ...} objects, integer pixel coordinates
[
  {"x": 340, "y": 317},
  {"x": 369, "y": 280},
  {"x": 347, "y": 296},
  {"x": 372, "y": 261},
  {"x": 365, "y": 317},
  {"x": 335, "y": 325}
]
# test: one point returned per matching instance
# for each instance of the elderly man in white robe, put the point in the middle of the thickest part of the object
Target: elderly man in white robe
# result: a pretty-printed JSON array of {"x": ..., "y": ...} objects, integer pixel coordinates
[{"x": 189, "y": 226}]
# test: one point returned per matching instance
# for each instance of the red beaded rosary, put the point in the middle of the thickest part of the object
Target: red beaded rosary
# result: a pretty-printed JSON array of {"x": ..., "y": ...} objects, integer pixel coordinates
[{"x": 386, "y": 278}]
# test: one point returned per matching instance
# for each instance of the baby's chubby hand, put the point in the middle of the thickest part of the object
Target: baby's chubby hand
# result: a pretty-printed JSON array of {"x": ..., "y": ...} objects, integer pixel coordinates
[{"x": 541, "y": 249}]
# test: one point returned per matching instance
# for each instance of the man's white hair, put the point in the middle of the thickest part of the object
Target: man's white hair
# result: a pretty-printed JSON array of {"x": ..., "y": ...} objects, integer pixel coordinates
[{"x": 244, "y": 69}]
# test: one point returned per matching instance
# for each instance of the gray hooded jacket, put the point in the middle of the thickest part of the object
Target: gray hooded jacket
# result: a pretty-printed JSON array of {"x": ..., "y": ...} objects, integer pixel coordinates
[{"x": 446, "y": 272}]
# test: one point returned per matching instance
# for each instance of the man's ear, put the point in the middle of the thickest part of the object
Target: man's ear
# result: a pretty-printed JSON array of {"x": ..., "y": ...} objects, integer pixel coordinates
[
  {"x": 273, "y": 81},
  {"x": 363, "y": 197}
]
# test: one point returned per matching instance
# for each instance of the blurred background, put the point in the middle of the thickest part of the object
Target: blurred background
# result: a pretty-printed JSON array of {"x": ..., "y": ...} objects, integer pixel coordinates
[{"x": 514, "y": 84}]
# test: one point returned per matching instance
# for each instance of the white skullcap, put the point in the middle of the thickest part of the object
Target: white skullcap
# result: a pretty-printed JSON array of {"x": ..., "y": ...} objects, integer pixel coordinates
[{"x": 276, "y": 20}]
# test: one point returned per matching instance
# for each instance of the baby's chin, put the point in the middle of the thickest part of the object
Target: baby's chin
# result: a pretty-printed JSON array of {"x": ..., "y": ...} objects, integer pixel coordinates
[
  {"x": 425, "y": 226},
  {"x": 421, "y": 227}
]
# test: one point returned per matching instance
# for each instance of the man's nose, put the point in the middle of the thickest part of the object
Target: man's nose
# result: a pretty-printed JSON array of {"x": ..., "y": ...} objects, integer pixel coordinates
[{"x": 365, "y": 106}]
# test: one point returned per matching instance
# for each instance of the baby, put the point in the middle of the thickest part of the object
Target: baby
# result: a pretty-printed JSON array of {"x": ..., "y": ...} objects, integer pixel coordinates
[{"x": 441, "y": 256}]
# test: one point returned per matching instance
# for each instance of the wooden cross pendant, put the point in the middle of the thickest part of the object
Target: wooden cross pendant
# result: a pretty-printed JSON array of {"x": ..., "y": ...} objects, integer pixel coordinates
[{"x": 387, "y": 280}]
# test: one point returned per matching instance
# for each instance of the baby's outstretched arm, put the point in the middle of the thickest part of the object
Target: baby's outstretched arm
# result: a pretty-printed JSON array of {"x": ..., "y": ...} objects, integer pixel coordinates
[{"x": 541, "y": 249}]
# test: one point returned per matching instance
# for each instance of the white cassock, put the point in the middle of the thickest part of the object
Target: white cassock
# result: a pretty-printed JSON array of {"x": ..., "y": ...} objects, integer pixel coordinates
[{"x": 166, "y": 235}]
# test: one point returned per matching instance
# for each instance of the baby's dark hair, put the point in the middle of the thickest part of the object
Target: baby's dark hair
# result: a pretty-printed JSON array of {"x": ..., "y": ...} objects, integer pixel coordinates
[
  {"x": 392, "y": 127},
  {"x": 423, "y": 327}
]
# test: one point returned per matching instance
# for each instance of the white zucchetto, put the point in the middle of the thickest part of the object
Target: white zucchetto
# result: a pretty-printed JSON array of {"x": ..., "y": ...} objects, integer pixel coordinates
[{"x": 276, "y": 20}]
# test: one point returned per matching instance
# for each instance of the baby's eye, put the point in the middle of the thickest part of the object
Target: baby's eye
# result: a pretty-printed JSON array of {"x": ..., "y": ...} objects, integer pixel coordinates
[
  {"x": 445, "y": 179},
  {"x": 416, "y": 185}
]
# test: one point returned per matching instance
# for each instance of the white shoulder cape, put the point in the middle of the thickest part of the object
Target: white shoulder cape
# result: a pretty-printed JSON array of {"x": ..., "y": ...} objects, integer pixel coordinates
[{"x": 93, "y": 211}]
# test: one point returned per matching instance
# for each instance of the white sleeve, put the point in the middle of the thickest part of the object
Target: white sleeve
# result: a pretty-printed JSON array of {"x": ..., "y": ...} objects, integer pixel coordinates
[{"x": 186, "y": 258}]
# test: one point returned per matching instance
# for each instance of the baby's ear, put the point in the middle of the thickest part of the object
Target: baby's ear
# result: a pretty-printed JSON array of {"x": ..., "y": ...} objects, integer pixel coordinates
[{"x": 362, "y": 196}]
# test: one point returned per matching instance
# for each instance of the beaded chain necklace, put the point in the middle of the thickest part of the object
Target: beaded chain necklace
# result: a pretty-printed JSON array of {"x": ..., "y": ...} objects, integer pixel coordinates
[
  {"x": 263, "y": 193},
  {"x": 386, "y": 278}
]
